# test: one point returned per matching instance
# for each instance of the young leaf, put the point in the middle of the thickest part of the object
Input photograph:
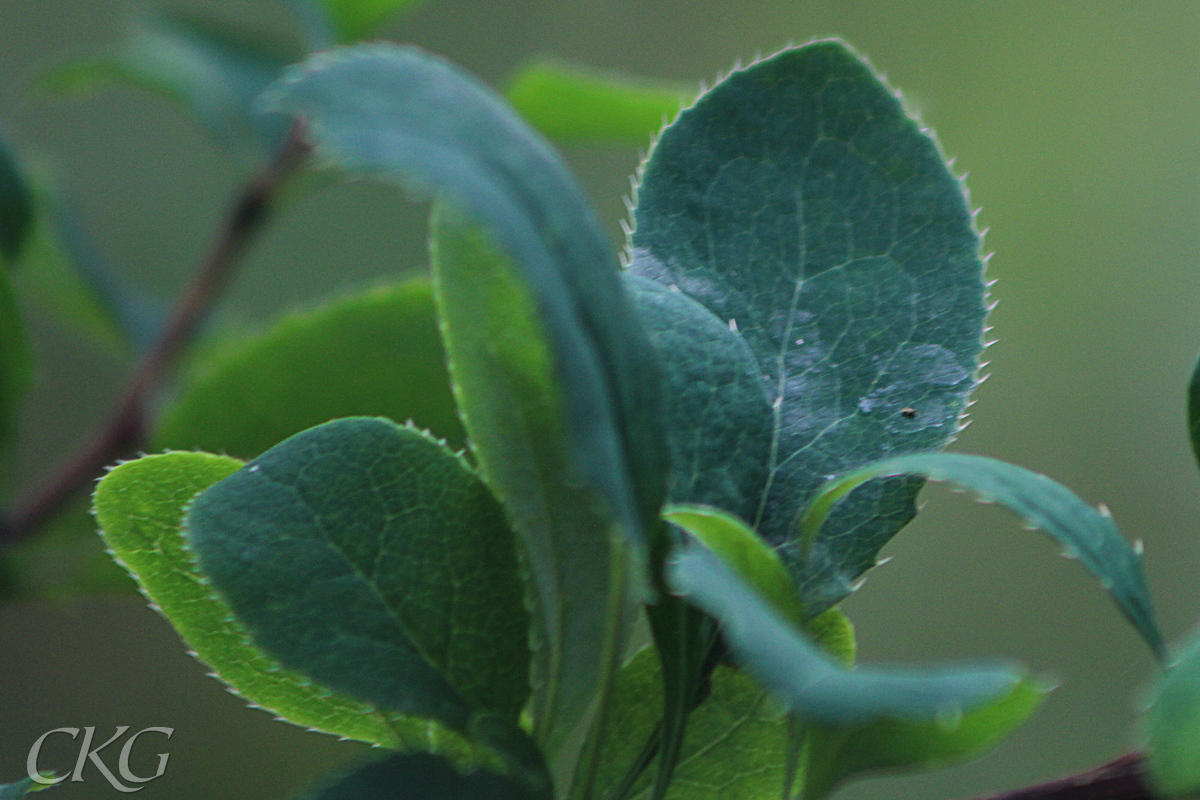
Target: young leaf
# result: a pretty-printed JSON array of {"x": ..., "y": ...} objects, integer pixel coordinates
[
  {"x": 421, "y": 777},
  {"x": 1173, "y": 727},
  {"x": 555, "y": 379},
  {"x": 1194, "y": 410},
  {"x": 373, "y": 354},
  {"x": 215, "y": 70},
  {"x": 373, "y": 560},
  {"x": 804, "y": 209},
  {"x": 1085, "y": 533},
  {"x": 832, "y": 755},
  {"x": 567, "y": 102},
  {"x": 140, "y": 507},
  {"x": 786, "y": 663}
]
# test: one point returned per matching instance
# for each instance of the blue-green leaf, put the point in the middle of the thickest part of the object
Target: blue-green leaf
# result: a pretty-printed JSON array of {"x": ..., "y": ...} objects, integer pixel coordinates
[
  {"x": 373, "y": 354},
  {"x": 15, "y": 791},
  {"x": 804, "y": 209},
  {"x": 330, "y": 21},
  {"x": 1173, "y": 726},
  {"x": 814, "y": 687},
  {"x": 569, "y": 102},
  {"x": 16, "y": 363},
  {"x": 370, "y": 558},
  {"x": 556, "y": 382},
  {"x": 421, "y": 777},
  {"x": 1084, "y": 532},
  {"x": 215, "y": 70}
]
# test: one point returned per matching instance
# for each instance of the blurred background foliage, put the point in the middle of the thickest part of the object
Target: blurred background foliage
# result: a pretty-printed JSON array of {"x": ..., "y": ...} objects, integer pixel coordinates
[{"x": 1079, "y": 123}]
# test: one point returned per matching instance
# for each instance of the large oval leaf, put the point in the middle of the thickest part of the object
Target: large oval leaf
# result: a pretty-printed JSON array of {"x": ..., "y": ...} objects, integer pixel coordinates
[
  {"x": 804, "y": 209},
  {"x": 1085, "y": 533},
  {"x": 376, "y": 353},
  {"x": 370, "y": 558},
  {"x": 140, "y": 506},
  {"x": 556, "y": 382}
]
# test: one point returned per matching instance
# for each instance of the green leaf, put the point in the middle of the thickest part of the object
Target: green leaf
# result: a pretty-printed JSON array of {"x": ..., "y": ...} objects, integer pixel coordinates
[
  {"x": 1194, "y": 410},
  {"x": 372, "y": 559},
  {"x": 350, "y": 20},
  {"x": 213, "y": 69},
  {"x": 140, "y": 507},
  {"x": 1173, "y": 727},
  {"x": 815, "y": 688},
  {"x": 556, "y": 382},
  {"x": 566, "y": 101},
  {"x": 833, "y": 755},
  {"x": 718, "y": 419},
  {"x": 1085, "y": 533},
  {"x": 16, "y": 207},
  {"x": 420, "y": 777},
  {"x": 16, "y": 361},
  {"x": 736, "y": 740},
  {"x": 373, "y": 354},
  {"x": 800, "y": 205}
]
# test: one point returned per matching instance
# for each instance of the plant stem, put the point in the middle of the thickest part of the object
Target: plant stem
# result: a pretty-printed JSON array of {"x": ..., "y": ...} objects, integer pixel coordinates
[
  {"x": 1121, "y": 779},
  {"x": 125, "y": 429}
]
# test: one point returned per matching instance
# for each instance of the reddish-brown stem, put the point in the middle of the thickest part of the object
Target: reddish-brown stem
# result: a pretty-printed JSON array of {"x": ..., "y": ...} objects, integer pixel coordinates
[
  {"x": 1121, "y": 779},
  {"x": 125, "y": 429}
]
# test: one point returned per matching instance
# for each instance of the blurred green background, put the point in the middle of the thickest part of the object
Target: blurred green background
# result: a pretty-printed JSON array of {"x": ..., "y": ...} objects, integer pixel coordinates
[{"x": 1079, "y": 123}]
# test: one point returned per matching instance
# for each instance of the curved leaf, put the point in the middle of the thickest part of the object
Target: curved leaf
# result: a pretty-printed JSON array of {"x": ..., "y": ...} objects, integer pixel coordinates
[
  {"x": 15, "y": 791},
  {"x": 1173, "y": 727},
  {"x": 372, "y": 559},
  {"x": 215, "y": 70},
  {"x": 566, "y": 102},
  {"x": 832, "y": 755},
  {"x": 802, "y": 207},
  {"x": 1194, "y": 410},
  {"x": 815, "y": 688},
  {"x": 558, "y": 387},
  {"x": 373, "y": 354},
  {"x": 140, "y": 507},
  {"x": 1085, "y": 533}
]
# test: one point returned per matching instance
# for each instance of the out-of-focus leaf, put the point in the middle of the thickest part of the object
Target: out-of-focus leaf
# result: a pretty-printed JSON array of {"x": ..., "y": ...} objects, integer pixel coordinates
[
  {"x": 815, "y": 688},
  {"x": 344, "y": 21},
  {"x": 16, "y": 207},
  {"x": 1173, "y": 727},
  {"x": 805, "y": 210},
  {"x": 373, "y": 354},
  {"x": 15, "y": 791},
  {"x": 567, "y": 102},
  {"x": 140, "y": 507},
  {"x": 1084, "y": 532},
  {"x": 421, "y": 777},
  {"x": 555, "y": 379},
  {"x": 833, "y": 755},
  {"x": 215, "y": 70},
  {"x": 370, "y": 558},
  {"x": 1194, "y": 410}
]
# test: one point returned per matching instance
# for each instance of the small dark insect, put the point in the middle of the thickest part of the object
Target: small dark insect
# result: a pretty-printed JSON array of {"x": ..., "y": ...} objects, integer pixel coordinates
[{"x": 908, "y": 413}]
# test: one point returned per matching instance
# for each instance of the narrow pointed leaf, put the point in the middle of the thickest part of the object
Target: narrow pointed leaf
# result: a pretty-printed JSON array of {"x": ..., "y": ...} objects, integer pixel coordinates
[
  {"x": 785, "y": 662},
  {"x": 1194, "y": 410},
  {"x": 15, "y": 791},
  {"x": 1173, "y": 727},
  {"x": 834, "y": 755},
  {"x": 215, "y": 70},
  {"x": 569, "y": 102},
  {"x": 140, "y": 507},
  {"x": 371, "y": 559},
  {"x": 558, "y": 387},
  {"x": 373, "y": 354},
  {"x": 421, "y": 777},
  {"x": 1085, "y": 533},
  {"x": 802, "y": 207}
]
